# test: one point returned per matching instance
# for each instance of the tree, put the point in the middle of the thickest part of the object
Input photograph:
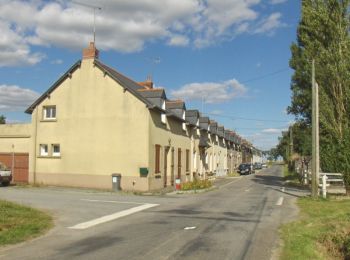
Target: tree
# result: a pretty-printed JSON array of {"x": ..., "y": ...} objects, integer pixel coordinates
[
  {"x": 323, "y": 35},
  {"x": 2, "y": 119}
]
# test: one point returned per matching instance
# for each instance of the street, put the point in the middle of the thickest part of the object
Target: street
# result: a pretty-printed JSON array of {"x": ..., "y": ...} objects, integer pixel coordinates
[{"x": 239, "y": 220}]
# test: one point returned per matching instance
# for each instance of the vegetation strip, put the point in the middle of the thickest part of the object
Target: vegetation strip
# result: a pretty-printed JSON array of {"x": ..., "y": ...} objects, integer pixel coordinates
[
  {"x": 323, "y": 231},
  {"x": 19, "y": 223}
]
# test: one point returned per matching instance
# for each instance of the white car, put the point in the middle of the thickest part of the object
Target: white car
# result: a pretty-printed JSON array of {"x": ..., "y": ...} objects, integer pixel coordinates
[{"x": 5, "y": 175}]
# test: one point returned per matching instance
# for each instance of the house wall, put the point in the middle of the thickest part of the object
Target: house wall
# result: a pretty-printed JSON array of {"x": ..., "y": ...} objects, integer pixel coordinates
[
  {"x": 15, "y": 138},
  {"x": 170, "y": 136},
  {"x": 101, "y": 129}
]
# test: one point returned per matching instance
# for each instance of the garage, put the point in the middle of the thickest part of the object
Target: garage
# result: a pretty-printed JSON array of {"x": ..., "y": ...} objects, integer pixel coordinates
[{"x": 19, "y": 162}]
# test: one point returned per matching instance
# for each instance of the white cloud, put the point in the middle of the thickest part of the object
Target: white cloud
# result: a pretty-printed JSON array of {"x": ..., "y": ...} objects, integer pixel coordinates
[
  {"x": 178, "y": 40},
  {"x": 270, "y": 24},
  {"x": 15, "y": 98},
  {"x": 57, "y": 62},
  {"x": 211, "y": 92},
  {"x": 125, "y": 25},
  {"x": 14, "y": 51},
  {"x": 275, "y": 2},
  {"x": 273, "y": 131}
]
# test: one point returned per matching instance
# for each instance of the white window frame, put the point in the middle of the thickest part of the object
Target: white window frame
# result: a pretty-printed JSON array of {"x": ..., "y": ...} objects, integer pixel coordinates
[
  {"x": 56, "y": 154},
  {"x": 44, "y": 150},
  {"x": 163, "y": 115},
  {"x": 184, "y": 117},
  {"x": 48, "y": 112}
]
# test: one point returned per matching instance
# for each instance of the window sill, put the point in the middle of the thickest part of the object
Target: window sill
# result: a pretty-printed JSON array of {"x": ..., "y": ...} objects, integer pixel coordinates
[
  {"x": 48, "y": 157},
  {"x": 48, "y": 120}
]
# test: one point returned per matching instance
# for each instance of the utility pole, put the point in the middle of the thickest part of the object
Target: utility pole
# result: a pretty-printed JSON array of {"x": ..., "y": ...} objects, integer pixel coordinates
[
  {"x": 290, "y": 146},
  {"x": 315, "y": 136}
]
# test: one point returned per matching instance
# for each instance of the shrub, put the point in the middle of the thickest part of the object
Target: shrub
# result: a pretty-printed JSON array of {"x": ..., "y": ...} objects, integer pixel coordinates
[{"x": 196, "y": 185}]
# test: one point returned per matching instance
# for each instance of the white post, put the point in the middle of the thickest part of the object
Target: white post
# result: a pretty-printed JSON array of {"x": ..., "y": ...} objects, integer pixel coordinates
[{"x": 324, "y": 186}]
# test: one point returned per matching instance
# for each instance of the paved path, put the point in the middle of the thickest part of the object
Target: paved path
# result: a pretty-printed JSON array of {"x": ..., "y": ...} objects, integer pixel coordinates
[{"x": 237, "y": 221}]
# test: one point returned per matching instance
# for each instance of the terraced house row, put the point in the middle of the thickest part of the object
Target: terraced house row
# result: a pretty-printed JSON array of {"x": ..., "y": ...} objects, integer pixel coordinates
[{"x": 94, "y": 122}]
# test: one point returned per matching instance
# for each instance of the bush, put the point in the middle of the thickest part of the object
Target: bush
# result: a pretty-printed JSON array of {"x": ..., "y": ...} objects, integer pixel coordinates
[{"x": 196, "y": 185}]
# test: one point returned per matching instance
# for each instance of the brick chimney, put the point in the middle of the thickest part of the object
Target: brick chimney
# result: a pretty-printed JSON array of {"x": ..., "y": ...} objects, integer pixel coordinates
[
  {"x": 90, "y": 52},
  {"x": 148, "y": 84}
]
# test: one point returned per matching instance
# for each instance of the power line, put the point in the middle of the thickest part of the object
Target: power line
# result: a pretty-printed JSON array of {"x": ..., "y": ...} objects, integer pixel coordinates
[
  {"x": 248, "y": 119},
  {"x": 265, "y": 76}
]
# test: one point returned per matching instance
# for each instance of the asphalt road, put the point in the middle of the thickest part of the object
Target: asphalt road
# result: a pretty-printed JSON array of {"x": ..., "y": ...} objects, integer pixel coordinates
[{"x": 239, "y": 220}]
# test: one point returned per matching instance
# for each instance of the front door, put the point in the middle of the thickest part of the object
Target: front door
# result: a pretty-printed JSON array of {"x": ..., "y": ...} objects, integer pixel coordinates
[
  {"x": 166, "y": 152},
  {"x": 172, "y": 166}
]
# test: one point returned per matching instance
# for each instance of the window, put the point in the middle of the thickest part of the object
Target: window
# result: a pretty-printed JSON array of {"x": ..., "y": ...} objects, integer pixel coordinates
[
  {"x": 194, "y": 160},
  {"x": 187, "y": 160},
  {"x": 44, "y": 150},
  {"x": 56, "y": 151},
  {"x": 157, "y": 166},
  {"x": 49, "y": 112},
  {"x": 179, "y": 163},
  {"x": 163, "y": 115},
  {"x": 183, "y": 124}
]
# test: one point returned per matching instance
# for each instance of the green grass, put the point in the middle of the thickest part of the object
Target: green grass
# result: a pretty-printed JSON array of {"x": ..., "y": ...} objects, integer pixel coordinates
[
  {"x": 19, "y": 223},
  {"x": 233, "y": 174},
  {"x": 323, "y": 231},
  {"x": 291, "y": 178}
]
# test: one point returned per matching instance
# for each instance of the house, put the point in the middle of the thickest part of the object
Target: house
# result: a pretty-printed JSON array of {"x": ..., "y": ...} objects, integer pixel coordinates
[{"x": 94, "y": 122}]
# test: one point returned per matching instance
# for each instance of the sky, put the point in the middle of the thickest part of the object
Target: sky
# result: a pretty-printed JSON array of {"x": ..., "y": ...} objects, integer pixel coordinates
[{"x": 227, "y": 58}]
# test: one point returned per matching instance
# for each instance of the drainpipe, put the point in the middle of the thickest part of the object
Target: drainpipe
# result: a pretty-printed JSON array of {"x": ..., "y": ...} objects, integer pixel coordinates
[{"x": 35, "y": 148}]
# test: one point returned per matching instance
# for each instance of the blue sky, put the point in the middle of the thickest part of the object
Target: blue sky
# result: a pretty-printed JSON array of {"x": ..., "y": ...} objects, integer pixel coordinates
[{"x": 227, "y": 58}]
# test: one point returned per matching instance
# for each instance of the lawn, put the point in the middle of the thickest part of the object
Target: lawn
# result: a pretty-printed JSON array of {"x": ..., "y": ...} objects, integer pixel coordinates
[
  {"x": 322, "y": 231},
  {"x": 19, "y": 223}
]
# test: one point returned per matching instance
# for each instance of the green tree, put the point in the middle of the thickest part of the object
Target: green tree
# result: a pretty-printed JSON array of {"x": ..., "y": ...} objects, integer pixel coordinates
[
  {"x": 2, "y": 119},
  {"x": 323, "y": 35}
]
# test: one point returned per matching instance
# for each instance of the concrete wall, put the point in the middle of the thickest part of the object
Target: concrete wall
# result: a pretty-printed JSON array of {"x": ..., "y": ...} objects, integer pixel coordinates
[{"x": 101, "y": 129}]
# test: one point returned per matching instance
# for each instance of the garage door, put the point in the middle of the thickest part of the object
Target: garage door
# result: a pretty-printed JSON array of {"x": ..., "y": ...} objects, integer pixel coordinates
[{"x": 20, "y": 162}]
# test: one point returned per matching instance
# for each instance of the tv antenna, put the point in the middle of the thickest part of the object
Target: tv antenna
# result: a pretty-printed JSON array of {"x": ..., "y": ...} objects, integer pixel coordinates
[{"x": 94, "y": 8}]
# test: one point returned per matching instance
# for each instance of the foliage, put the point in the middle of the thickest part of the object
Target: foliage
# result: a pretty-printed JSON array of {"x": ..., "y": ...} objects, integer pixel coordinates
[
  {"x": 323, "y": 35},
  {"x": 321, "y": 233},
  {"x": 2, "y": 119},
  {"x": 19, "y": 223},
  {"x": 196, "y": 185}
]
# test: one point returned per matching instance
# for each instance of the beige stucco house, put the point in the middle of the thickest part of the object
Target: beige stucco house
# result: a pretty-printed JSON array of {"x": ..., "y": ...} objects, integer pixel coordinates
[{"x": 94, "y": 122}]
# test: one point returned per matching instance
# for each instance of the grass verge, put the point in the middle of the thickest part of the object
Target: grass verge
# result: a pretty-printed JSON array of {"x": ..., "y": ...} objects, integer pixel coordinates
[
  {"x": 196, "y": 185},
  {"x": 323, "y": 231},
  {"x": 291, "y": 178},
  {"x": 19, "y": 223}
]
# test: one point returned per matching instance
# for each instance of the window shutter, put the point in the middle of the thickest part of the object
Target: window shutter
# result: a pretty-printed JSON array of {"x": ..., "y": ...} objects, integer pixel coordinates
[{"x": 157, "y": 159}]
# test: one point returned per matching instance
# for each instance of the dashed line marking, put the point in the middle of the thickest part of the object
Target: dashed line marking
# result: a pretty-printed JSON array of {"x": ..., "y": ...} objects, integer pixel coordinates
[
  {"x": 113, "y": 216},
  {"x": 190, "y": 228},
  {"x": 280, "y": 201},
  {"x": 247, "y": 190},
  {"x": 283, "y": 189}
]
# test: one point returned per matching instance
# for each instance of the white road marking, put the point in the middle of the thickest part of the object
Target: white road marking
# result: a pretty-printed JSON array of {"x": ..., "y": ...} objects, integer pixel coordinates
[
  {"x": 280, "y": 201},
  {"x": 247, "y": 190},
  {"x": 114, "y": 201},
  {"x": 189, "y": 228},
  {"x": 283, "y": 189},
  {"x": 113, "y": 216}
]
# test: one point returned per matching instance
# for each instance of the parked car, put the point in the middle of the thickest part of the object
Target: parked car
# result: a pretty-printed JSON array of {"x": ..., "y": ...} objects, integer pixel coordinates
[
  {"x": 245, "y": 168},
  {"x": 257, "y": 166},
  {"x": 264, "y": 165},
  {"x": 5, "y": 175}
]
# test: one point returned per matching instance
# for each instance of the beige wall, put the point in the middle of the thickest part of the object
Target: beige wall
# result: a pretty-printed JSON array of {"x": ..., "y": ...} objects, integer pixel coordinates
[
  {"x": 101, "y": 129},
  {"x": 15, "y": 138},
  {"x": 168, "y": 136}
]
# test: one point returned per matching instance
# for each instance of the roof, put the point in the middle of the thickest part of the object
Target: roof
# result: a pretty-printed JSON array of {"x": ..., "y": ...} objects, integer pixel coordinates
[
  {"x": 152, "y": 93},
  {"x": 128, "y": 84},
  {"x": 175, "y": 104}
]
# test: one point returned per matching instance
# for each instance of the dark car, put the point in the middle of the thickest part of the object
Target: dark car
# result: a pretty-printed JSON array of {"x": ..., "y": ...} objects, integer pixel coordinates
[
  {"x": 257, "y": 166},
  {"x": 245, "y": 168}
]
